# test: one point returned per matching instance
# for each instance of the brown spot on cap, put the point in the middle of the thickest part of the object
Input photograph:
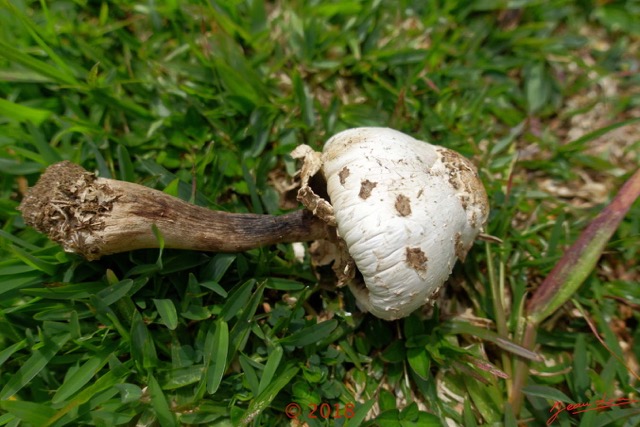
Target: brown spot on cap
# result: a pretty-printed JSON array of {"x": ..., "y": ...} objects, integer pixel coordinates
[
  {"x": 417, "y": 259},
  {"x": 461, "y": 251},
  {"x": 403, "y": 205},
  {"x": 464, "y": 179},
  {"x": 366, "y": 187},
  {"x": 343, "y": 174}
]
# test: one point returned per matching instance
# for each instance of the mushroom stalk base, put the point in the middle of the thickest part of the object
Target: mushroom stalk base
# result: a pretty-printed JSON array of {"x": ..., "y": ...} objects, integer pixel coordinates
[{"x": 97, "y": 216}]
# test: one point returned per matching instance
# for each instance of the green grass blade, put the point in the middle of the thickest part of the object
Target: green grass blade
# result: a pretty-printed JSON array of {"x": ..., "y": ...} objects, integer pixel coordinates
[
  {"x": 143, "y": 349},
  {"x": 7, "y": 352},
  {"x": 546, "y": 393},
  {"x": 419, "y": 361},
  {"x": 457, "y": 327},
  {"x": 578, "y": 262},
  {"x": 44, "y": 146},
  {"x": 264, "y": 399},
  {"x": 237, "y": 300},
  {"x": 15, "y": 167},
  {"x": 35, "y": 65},
  {"x": 22, "y": 113},
  {"x": 19, "y": 281},
  {"x": 167, "y": 312},
  {"x": 115, "y": 292},
  {"x": 126, "y": 171},
  {"x": 34, "y": 261},
  {"x": 242, "y": 328},
  {"x": 32, "y": 413},
  {"x": 310, "y": 334},
  {"x": 159, "y": 403},
  {"x": 219, "y": 344},
  {"x": 270, "y": 368},
  {"x": 18, "y": 241},
  {"x": 182, "y": 377},
  {"x": 253, "y": 190},
  {"x": 79, "y": 378},
  {"x": 115, "y": 375},
  {"x": 35, "y": 32},
  {"x": 579, "y": 144},
  {"x": 360, "y": 414},
  {"x": 249, "y": 374},
  {"x": 121, "y": 104},
  {"x": 34, "y": 365}
]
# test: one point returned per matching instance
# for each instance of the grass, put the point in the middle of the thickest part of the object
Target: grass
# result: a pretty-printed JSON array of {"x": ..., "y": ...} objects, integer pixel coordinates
[{"x": 205, "y": 101}]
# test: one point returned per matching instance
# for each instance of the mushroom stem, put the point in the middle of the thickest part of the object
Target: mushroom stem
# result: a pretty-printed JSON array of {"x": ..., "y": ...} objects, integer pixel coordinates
[{"x": 95, "y": 216}]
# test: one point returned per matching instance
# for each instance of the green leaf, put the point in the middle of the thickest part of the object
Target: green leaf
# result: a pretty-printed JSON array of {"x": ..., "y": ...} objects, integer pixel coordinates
[
  {"x": 34, "y": 261},
  {"x": 20, "y": 281},
  {"x": 310, "y": 334},
  {"x": 350, "y": 352},
  {"x": 18, "y": 241},
  {"x": 8, "y": 352},
  {"x": 580, "y": 259},
  {"x": 286, "y": 285},
  {"x": 15, "y": 55},
  {"x": 213, "y": 286},
  {"x": 15, "y": 167},
  {"x": 22, "y": 113},
  {"x": 167, "y": 312},
  {"x": 457, "y": 327},
  {"x": 546, "y": 393},
  {"x": 236, "y": 84},
  {"x": 419, "y": 361},
  {"x": 394, "y": 353},
  {"x": 160, "y": 238},
  {"x": 216, "y": 348},
  {"x": 165, "y": 177},
  {"x": 237, "y": 300},
  {"x": 273, "y": 361},
  {"x": 102, "y": 96},
  {"x": 129, "y": 392},
  {"x": 36, "y": 33},
  {"x": 579, "y": 144},
  {"x": 159, "y": 403},
  {"x": 105, "y": 382},
  {"x": 241, "y": 330},
  {"x": 79, "y": 379},
  {"x": 143, "y": 349},
  {"x": 304, "y": 100},
  {"x": 34, "y": 365},
  {"x": 114, "y": 293},
  {"x": 250, "y": 182},
  {"x": 32, "y": 413},
  {"x": 177, "y": 378},
  {"x": 537, "y": 86},
  {"x": 218, "y": 266},
  {"x": 581, "y": 379},
  {"x": 360, "y": 413},
  {"x": 264, "y": 399},
  {"x": 66, "y": 291},
  {"x": 172, "y": 188},
  {"x": 386, "y": 400},
  {"x": 125, "y": 164},
  {"x": 249, "y": 373},
  {"x": 482, "y": 399}
]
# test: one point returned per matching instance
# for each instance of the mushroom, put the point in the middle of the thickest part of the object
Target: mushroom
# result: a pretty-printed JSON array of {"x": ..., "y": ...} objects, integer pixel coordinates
[
  {"x": 395, "y": 212},
  {"x": 404, "y": 210}
]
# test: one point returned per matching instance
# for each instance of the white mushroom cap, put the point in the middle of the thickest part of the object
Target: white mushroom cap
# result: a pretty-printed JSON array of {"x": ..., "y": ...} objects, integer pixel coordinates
[{"x": 406, "y": 210}]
